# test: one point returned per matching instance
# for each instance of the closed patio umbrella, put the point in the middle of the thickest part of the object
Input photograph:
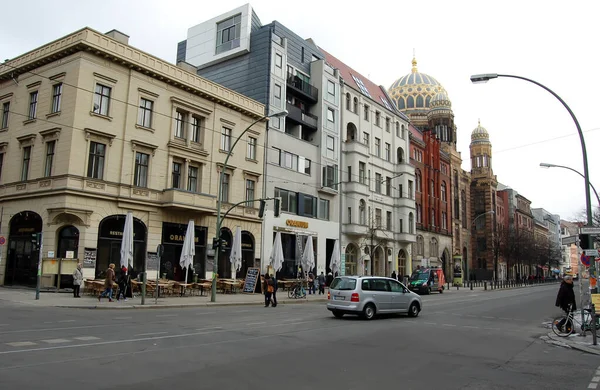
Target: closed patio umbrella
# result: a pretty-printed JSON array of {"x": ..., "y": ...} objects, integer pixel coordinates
[
  {"x": 127, "y": 242},
  {"x": 189, "y": 249},
  {"x": 308, "y": 257},
  {"x": 276, "y": 259},
  {"x": 335, "y": 262},
  {"x": 236, "y": 252}
]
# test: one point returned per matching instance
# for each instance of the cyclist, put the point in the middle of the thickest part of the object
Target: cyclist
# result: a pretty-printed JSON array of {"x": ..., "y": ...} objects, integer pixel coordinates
[{"x": 566, "y": 299}]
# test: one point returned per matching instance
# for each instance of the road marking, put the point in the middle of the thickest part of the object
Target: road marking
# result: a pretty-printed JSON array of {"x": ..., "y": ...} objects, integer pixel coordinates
[
  {"x": 256, "y": 323},
  {"x": 470, "y": 327},
  {"x": 67, "y": 321},
  {"x": 448, "y": 325},
  {"x": 167, "y": 315},
  {"x": 48, "y": 322},
  {"x": 149, "y": 334},
  {"x": 123, "y": 318},
  {"x": 210, "y": 328},
  {"x": 56, "y": 341},
  {"x": 86, "y": 338},
  {"x": 507, "y": 319},
  {"x": 21, "y": 344},
  {"x": 470, "y": 315},
  {"x": 596, "y": 379},
  {"x": 488, "y": 317},
  {"x": 592, "y": 385},
  {"x": 429, "y": 323}
]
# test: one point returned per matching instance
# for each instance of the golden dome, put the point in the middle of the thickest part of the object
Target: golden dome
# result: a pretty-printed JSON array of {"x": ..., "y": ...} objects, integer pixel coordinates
[{"x": 480, "y": 134}]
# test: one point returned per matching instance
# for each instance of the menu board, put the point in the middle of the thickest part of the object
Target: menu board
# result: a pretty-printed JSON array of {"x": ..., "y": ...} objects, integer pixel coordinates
[
  {"x": 89, "y": 258},
  {"x": 151, "y": 261},
  {"x": 252, "y": 278}
]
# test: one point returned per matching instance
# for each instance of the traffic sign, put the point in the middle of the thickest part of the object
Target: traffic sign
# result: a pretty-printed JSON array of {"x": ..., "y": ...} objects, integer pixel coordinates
[
  {"x": 589, "y": 230},
  {"x": 2, "y": 240},
  {"x": 591, "y": 252},
  {"x": 585, "y": 260},
  {"x": 569, "y": 240}
]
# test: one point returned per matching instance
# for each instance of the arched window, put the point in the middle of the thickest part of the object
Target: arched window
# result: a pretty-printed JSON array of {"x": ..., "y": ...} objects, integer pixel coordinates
[
  {"x": 400, "y": 103},
  {"x": 403, "y": 131},
  {"x": 348, "y": 99},
  {"x": 420, "y": 102},
  {"x": 433, "y": 248},
  {"x": 443, "y": 194},
  {"x": 355, "y": 108},
  {"x": 418, "y": 180},
  {"x": 419, "y": 213},
  {"x": 410, "y": 102},
  {"x": 427, "y": 101},
  {"x": 398, "y": 134},
  {"x": 463, "y": 206},
  {"x": 400, "y": 155},
  {"x": 68, "y": 241},
  {"x": 420, "y": 249},
  {"x": 411, "y": 223},
  {"x": 351, "y": 132},
  {"x": 362, "y": 214},
  {"x": 432, "y": 217}
]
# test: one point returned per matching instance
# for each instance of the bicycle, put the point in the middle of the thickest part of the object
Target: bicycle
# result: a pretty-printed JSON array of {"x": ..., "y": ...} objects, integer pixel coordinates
[
  {"x": 296, "y": 291},
  {"x": 565, "y": 330}
]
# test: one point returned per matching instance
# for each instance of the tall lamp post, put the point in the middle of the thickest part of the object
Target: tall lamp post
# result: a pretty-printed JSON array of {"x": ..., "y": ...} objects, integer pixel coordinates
[
  {"x": 546, "y": 165},
  {"x": 213, "y": 294},
  {"x": 476, "y": 246},
  {"x": 484, "y": 78}
]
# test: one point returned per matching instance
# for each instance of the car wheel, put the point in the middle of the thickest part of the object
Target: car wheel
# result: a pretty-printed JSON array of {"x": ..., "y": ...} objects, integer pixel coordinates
[
  {"x": 428, "y": 291},
  {"x": 442, "y": 290},
  {"x": 368, "y": 312},
  {"x": 413, "y": 310},
  {"x": 337, "y": 314}
]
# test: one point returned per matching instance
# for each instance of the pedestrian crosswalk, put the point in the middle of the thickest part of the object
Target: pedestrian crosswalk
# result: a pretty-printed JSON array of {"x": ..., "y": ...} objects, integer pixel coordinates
[{"x": 18, "y": 344}]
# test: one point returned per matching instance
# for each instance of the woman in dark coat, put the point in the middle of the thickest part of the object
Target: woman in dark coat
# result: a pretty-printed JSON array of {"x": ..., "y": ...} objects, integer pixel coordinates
[{"x": 566, "y": 298}]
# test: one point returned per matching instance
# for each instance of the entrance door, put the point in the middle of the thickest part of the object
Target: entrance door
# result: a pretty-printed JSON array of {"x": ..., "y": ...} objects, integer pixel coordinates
[{"x": 22, "y": 259}]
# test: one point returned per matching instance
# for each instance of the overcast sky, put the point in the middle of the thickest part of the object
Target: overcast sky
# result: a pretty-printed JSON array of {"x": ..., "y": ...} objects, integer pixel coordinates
[{"x": 552, "y": 42}]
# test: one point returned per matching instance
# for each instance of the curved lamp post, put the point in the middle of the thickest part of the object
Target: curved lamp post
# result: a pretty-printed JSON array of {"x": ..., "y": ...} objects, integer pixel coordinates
[
  {"x": 213, "y": 294},
  {"x": 476, "y": 247},
  {"x": 546, "y": 165},
  {"x": 484, "y": 78}
]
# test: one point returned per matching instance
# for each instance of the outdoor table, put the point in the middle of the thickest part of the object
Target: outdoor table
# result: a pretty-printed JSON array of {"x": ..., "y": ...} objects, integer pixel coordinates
[{"x": 183, "y": 287}]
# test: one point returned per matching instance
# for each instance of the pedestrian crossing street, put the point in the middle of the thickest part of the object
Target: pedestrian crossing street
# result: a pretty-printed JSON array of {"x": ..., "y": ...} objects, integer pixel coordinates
[{"x": 19, "y": 344}]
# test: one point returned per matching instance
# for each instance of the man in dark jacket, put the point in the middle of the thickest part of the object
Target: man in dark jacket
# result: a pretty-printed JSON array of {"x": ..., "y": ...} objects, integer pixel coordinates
[
  {"x": 275, "y": 287},
  {"x": 566, "y": 298}
]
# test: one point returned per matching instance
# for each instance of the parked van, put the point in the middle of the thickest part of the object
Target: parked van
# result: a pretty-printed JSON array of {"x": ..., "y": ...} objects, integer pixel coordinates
[
  {"x": 368, "y": 296},
  {"x": 426, "y": 280}
]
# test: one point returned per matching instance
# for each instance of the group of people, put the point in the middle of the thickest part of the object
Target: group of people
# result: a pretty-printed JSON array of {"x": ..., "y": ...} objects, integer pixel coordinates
[{"x": 109, "y": 281}]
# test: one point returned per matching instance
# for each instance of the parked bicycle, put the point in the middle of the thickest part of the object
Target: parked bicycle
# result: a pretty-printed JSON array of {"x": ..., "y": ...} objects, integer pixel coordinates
[
  {"x": 565, "y": 325},
  {"x": 297, "y": 290}
]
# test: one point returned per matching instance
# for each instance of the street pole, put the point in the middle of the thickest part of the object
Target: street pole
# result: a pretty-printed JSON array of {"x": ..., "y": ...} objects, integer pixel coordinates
[
  {"x": 546, "y": 165},
  {"x": 213, "y": 293},
  {"x": 40, "y": 240},
  {"x": 580, "y": 280}
]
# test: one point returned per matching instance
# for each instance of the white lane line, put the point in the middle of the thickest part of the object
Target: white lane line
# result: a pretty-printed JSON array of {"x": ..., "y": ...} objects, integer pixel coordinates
[
  {"x": 123, "y": 318},
  {"x": 470, "y": 315},
  {"x": 596, "y": 379},
  {"x": 67, "y": 321},
  {"x": 470, "y": 327},
  {"x": 448, "y": 325},
  {"x": 56, "y": 341},
  {"x": 210, "y": 328},
  {"x": 491, "y": 328},
  {"x": 21, "y": 344},
  {"x": 173, "y": 336},
  {"x": 507, "y": 319},
  {"x": 48, "y": 322},
  {"x": 167, "y": 315},
  {"x": 592, "y": 385},
  {"x": 256, "y": 323},
  {"x": 149, "y": 334},
  {"x": 86, "y": 338},
  {"x": 488, "y": 317},
  {"x": 290, "y": 320},
  {"x": 430, "y": 323}
]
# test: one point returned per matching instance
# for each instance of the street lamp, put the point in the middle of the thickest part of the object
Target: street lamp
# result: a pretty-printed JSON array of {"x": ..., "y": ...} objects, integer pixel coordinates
[
  {"x": 213, "y": 295},
  {"x": 546, "y": 165},
  {"x": 483, "y": 78},
  {"x": 476, "y": 247}
]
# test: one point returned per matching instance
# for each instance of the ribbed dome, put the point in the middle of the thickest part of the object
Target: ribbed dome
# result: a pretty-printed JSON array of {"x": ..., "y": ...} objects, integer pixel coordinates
[
  {"x": 480, "y": 134},
  {"x": 415, "y": 91},
  {"x": 440, "y": 100}
]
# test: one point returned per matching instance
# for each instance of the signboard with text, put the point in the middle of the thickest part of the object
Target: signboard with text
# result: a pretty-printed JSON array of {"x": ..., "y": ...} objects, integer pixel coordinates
[{"x": 89, "y": 258}]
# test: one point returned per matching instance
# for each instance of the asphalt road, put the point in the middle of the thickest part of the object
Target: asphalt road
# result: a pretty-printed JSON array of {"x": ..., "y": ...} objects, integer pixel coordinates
[{"x": 485, "y": 340}]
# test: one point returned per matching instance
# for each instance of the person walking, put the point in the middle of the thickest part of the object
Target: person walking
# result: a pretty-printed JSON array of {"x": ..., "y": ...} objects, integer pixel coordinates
[
  {"x": 275, "y": 288},
  {"x": 268, "y": 289},
  {"x": 123, "y": 283},
  {"x": 394, "y": 275},
  {"x": 565, "y": 299},
  {"x": 311, "y": 283},
  {"x": 321, "y": 279},
  {"x": 108, "y": 283},
  {"x": 77, "y": 280}
]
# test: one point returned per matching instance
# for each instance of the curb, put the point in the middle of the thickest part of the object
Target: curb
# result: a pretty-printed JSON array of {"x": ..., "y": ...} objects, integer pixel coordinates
[
  {"x": 206, "y": 304},
  {"x": 576, "y": 346}
]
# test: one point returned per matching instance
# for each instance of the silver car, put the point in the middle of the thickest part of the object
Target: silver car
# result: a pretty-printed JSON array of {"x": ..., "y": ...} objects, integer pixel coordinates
[{"x": 371, "y": 295}]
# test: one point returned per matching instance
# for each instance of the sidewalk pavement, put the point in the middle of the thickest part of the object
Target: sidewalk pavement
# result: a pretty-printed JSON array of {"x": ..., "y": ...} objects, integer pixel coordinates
[
  {"x": 64, "y": 299},
  {"x": 574, "y": 341}
]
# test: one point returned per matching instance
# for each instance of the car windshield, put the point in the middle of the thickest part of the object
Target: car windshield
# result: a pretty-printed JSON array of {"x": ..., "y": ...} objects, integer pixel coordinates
[
  {"x": 419, "y": 276},
  {"x": 343, "y": 284}
]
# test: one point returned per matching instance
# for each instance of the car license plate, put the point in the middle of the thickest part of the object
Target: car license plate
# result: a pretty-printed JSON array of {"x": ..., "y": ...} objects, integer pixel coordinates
[{"x": 339, "y": 298}]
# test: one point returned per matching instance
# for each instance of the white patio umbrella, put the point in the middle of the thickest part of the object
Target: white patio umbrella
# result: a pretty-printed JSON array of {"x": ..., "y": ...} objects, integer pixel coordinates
[
  {"x": 236, "y": 252},
  {"x": 335, "y": 262},
  {"x": 127, "y": 242},
  {"x": 189, "y": 249},
  {"x": 276, "y": 259},
  {"x": 308, "y": 257}
]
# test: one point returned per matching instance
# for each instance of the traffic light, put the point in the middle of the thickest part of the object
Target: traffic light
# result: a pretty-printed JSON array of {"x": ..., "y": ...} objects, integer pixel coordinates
[
  {"x": 36, "y": 240},
  {"x": 223, "y": 244},
  {"x": 215, "y": 243},
  {"x": 261, "y": 210},
  {"x": 277, "y": 207},
  {"x": 584, "y": 241}
]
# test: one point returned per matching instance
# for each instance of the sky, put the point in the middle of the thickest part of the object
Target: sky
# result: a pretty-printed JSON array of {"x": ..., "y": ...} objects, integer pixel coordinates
[{"x": 551, "y": 42}]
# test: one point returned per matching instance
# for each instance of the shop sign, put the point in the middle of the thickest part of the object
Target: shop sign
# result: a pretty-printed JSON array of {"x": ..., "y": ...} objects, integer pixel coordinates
[
  {"x": 89, "y": 258},
  {"x": 174, "y": 233},
  {"x": 298, "y": 224}
]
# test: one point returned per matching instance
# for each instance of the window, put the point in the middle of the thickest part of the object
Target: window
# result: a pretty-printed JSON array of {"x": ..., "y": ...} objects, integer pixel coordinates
[
  {"x": 145, "y": 113},
  {"x": 228, "y": 34},
  {"x": 349, "y": 173},
  {"x": 398, "y": 129},
  {"x": 410, "y": 189},
  {"x": 388, "y": 152},
  {"x": 349, "y": 216},
  {"x": 26, "y": 159},
  {"x": 377, "y": 218},
  {"x": 250, "y": 189},
  {"x": 400, "y": 191},
  {"x": 388, "y": 186},
  {"x": 141, "y": 169},
  {"x": 330, "y": 147},
  {"x": 377, "y": 118},
  {"x": 330, "y": 91},
  {"x": 355, "y": 108},
  {"x": 388, "y": 220},
  {"x": 362, "y": 170},
  {"x": 310, "y": 205},
  {"x": 444, "y": 222},
  {"x": 443, "y": 195},
  {"x": 49, "y": 158},
  {"x": 362, "y": 212},
  {"x": 289, "y": 200},
  {"x": 292, "y": 161},
  {"x": 5, "y": 112},
  {"x": 366, "y": 138},
  {"x": 225, "y": 139},
  {"x": 330, "y": 119},
  {"x": 102, "y": 99},
  {"x": 225, "y": 188},
  {"x": 348, "y": 101},
  {"x": 56, "y": 97},
  {"x": 192, "y": 179},
  {"x": 323, "y": 212},
  {"x": 361, "y": 86},
  {"x": 277, "y": 95},
  {"x": 251, "y": 152},
  {"x": 377, "y": 147},
  {"x": 330, "y": 178},
  {"x": 432, "y": 217},
  {"x": 387, "y": 124},
  {"x": 378, "y": 183},
  {"x": 96, "y": 160},
  {"x": 176, "y": 175},
  {"x": 179, "y": 124},
  {"x": 196, "y": 129},
  {"x": 401, "y": 226},
  {"x": 411, "y": 223},
  {"x": 278, "y": 60},
  {"x": 33, "y": 98},
  {"x": 366, "y": 109}
]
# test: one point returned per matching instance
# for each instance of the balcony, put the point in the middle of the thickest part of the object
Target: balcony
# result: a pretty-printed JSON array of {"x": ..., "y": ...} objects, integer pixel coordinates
[
  {"x": 356, "y": 188},
  {"x": 405, "y": 237},
  {"x": 188, "y": 200},
  {"x": 355, "y": 147},
  {"x": 296, "y": 114},
  {"x": 302, "y": 88},
  {"x": 405, "y": 202},
  {"x": 355, "y": 229}
]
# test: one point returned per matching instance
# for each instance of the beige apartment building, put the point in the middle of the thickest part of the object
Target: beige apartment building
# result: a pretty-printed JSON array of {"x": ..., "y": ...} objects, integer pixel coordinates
[{"x": 92, "y": 128}]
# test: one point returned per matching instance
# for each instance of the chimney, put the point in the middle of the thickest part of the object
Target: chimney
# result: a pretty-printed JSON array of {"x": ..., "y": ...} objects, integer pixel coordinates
[
  {"x": 118, "y": 36},
  {"x": 187, "y": 67}
]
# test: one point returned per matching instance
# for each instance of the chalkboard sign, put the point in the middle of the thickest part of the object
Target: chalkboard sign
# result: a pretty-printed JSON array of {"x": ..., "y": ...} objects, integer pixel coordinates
[
  {"x": 151, "y": 261},
  {"x": 89, "y": 258},
  {"x": 252, "y": 278}
]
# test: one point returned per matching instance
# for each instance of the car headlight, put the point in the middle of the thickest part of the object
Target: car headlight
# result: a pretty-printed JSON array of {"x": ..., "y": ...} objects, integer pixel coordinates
[{"x": 424, "y": 284}]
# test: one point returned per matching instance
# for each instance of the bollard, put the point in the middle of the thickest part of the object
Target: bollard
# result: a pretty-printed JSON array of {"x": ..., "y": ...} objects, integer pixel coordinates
[
  {"x": 593, "y": 320},
  {"x": 471, "y": 285},
  {"x": 485, "y": 285},
  {"x": 456, "y": 286}
]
